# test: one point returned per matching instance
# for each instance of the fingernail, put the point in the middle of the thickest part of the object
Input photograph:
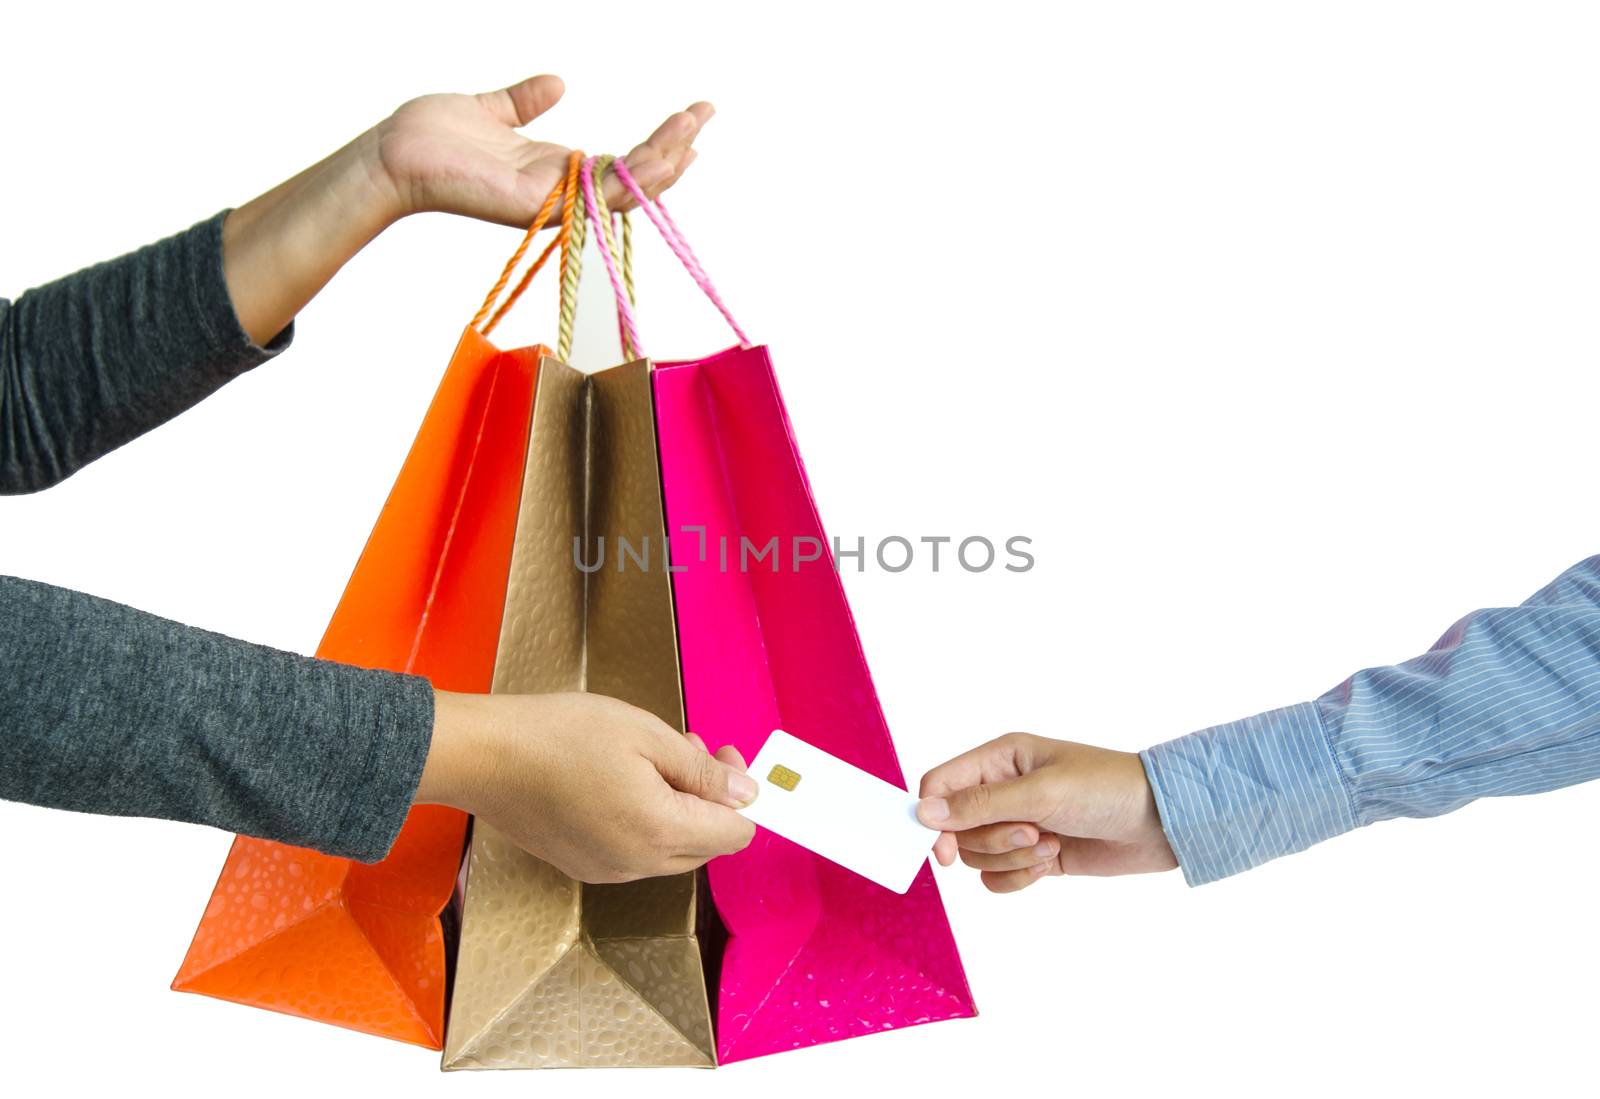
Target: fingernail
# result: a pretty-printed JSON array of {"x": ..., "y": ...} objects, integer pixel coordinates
[
  {"x": 1040, "y": 868},
  {"x": 1045, "y": 849},
  {"x": 1019, "y": 838},
  {"x": 742, "y": 787},
  {"x": 933, "y": 810}
]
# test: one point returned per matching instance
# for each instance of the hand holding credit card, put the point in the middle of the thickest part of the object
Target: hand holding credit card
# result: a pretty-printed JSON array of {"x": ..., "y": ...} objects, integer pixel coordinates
[{"x": 839, "y": 812}]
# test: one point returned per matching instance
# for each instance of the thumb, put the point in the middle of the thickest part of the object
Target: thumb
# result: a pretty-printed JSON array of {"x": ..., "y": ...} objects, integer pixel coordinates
[
  {"x": 705, "y": 830},
  {"x": 1020, "y": 799},
  {"x": 691, "y": 770},
  {"x": 523, "y": 102}
]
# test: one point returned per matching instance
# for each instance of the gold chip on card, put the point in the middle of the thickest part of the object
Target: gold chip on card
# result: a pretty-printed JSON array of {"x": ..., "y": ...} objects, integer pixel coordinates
[{"x": 783, "y": 778}]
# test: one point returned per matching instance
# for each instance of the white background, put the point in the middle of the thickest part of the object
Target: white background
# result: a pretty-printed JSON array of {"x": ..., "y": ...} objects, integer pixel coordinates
[{"x": 1272, "y": 324}]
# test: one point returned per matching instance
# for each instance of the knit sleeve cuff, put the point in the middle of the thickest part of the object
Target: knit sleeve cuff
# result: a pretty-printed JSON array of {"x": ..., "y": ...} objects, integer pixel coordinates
[
  {"x": 390, "y": 726},
  {"x": 221, "y": 336}
]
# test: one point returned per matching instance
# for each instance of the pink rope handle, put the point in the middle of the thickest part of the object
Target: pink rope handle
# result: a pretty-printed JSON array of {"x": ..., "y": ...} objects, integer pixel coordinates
[
  {"x": 624, "y": 307},
  {"x": 657, "y": 213}
]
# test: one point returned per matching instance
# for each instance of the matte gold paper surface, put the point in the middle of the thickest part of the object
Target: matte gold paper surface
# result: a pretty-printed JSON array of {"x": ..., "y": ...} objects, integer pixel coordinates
[{"x": 553, "y": 973}]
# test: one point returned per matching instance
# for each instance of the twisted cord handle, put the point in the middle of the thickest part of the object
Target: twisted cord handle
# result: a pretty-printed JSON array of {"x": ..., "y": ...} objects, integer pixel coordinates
[
  {"x": 657, "y": 213},
  {"x": 627, "y": 256},
  {"x": 607, "y": 221},
  {"x": 560, "y": 241},
  {"x": 602, "y": 221},
  {"x": 539, "y": 221},
  {"x": 575, "y": 222}
]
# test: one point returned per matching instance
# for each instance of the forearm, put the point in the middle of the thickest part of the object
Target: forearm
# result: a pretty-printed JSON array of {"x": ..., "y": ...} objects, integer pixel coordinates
[
  {"x": 106, "y": 709},
  {"x": 1507, "y": 702},
  {"x": 91, "y": 361},
  {"x": 281, "y": 249}
]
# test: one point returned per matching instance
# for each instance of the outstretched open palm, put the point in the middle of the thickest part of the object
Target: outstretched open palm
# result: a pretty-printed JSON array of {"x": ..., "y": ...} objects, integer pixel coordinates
[{"x": 462, "y": 154}]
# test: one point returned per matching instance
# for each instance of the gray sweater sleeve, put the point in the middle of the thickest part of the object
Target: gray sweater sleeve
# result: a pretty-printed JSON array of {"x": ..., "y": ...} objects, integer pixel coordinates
[
  {"x": 107, "y": 709},
  {"x": 93, "y": 360}
]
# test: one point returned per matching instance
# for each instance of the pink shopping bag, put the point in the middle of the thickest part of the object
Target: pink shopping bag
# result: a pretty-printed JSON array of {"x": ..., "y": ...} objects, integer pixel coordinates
[{"x": 815, "y": 953}]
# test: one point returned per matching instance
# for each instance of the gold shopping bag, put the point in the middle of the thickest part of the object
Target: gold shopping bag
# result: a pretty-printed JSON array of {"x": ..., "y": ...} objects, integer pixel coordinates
[{"x": 552, "y": 972}]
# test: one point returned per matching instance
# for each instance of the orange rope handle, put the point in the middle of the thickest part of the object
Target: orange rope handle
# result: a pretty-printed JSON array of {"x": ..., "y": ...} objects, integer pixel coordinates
[
  {"x": 538, "y": 265},
  {"x": 539, "y": 220},
  {"x": 561, "y": 241}
]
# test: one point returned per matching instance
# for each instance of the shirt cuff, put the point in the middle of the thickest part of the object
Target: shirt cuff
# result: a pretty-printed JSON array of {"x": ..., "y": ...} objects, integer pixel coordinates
[{"x": 1234, "y": 796}]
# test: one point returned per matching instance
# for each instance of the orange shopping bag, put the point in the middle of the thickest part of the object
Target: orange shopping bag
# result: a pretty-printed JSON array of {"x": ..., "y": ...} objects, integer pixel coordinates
[{"x": 360, "y": 945}]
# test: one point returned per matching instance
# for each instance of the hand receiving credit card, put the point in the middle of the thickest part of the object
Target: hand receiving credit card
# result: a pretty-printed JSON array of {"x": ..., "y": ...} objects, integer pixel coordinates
[{"x": 839, "y": 812}]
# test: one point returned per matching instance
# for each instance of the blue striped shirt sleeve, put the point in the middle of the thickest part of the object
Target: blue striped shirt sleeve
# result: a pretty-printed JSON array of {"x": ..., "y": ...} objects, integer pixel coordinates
[{"x": 1507, "y": 702}]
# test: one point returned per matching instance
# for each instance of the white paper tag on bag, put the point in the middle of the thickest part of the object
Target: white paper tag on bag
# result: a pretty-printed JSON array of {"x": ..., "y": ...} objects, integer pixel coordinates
[{"x": 839, "y": 812}]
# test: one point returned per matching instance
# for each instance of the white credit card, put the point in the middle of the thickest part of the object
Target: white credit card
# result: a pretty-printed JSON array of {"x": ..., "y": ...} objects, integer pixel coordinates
[{"x": 839, "y": 812}]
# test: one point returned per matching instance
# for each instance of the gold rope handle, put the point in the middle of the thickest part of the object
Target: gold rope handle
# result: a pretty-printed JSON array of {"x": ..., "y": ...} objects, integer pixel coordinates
[
  {"x": 602, "y": 216},
  {"x": 575, "y": 223}
]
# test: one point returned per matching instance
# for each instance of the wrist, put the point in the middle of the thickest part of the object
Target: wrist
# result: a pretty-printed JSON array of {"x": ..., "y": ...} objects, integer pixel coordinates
[
  {"x": 382, "y": 199},
  {"x": 281, "y": 248},
  {"x": 457, "y": 751},
  {"x": 1144, "y": 812}
]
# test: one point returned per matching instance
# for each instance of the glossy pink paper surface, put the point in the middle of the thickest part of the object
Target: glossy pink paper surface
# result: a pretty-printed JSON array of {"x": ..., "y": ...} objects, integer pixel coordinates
[{"x": 815, "y": 953}]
